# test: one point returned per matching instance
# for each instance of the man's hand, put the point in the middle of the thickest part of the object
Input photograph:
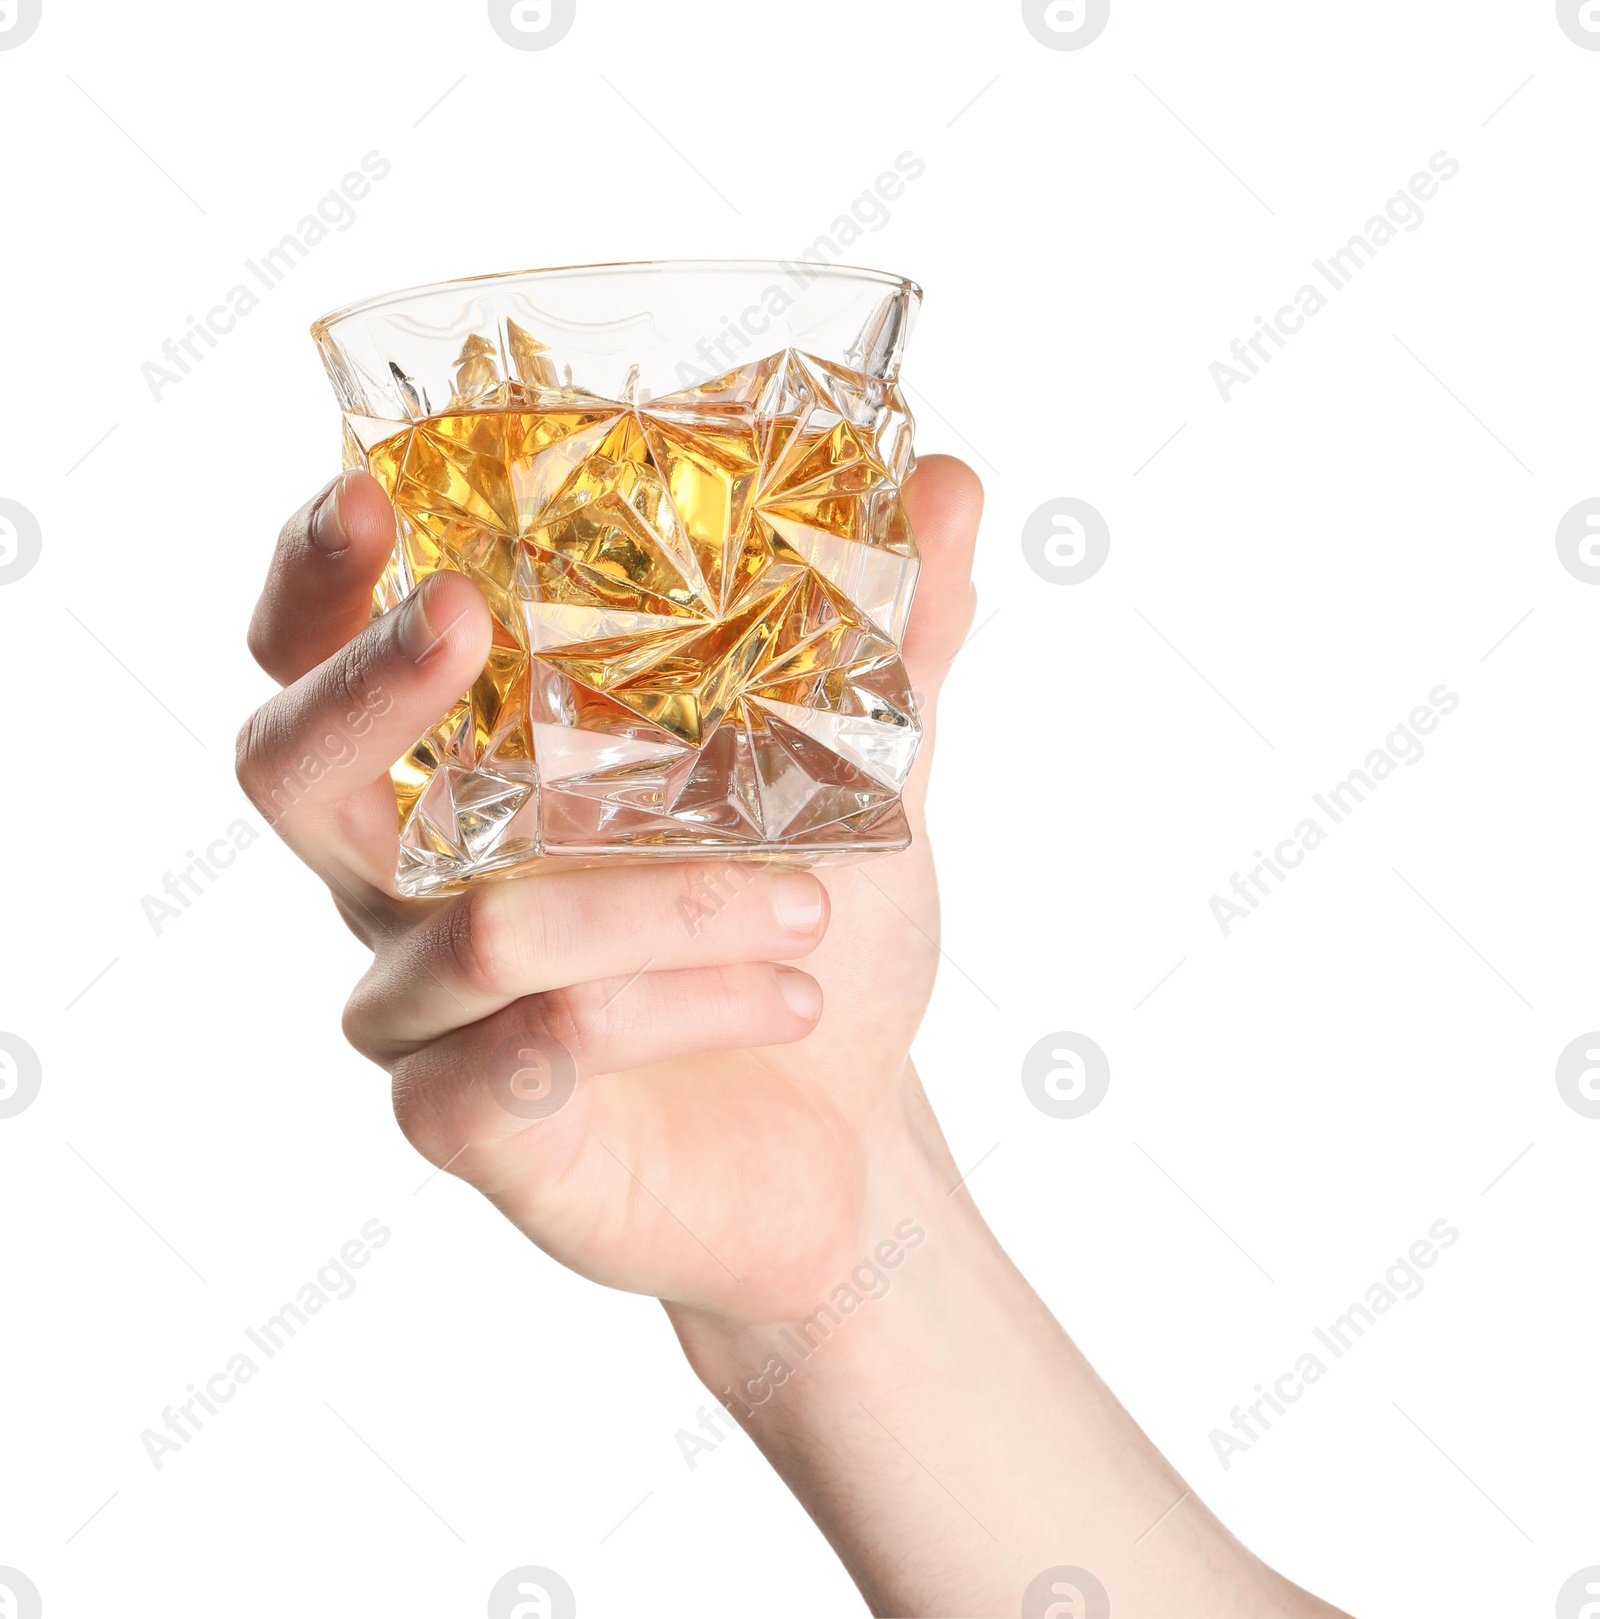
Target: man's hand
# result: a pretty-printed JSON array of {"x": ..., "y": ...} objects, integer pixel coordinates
[{"x": 725, "y": 1107}]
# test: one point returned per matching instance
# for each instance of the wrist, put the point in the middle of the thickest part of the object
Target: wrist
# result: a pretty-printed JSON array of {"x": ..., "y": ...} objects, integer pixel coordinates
[
  {"x": 921, "y": 1263},
  {"x": 885, "y": 1386}
]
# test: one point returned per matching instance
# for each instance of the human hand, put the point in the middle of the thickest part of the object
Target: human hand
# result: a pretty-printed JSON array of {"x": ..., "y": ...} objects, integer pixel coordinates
[{"x": 732, "y": 1118}]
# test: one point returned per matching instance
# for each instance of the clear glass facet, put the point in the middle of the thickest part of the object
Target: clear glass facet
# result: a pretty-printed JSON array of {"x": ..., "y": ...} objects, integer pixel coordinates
[{"x": 679, "y": 488}]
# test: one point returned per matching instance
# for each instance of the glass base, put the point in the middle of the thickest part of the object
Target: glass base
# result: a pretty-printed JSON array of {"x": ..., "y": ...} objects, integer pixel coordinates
[{"x": 426, "y": 875}]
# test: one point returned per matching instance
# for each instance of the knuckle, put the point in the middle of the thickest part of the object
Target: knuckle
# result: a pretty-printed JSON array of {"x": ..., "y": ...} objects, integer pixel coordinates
[
  {"x": 259, "y": 640},
  {"x": 251, "y": 752},
  {"x": 355, "y": 671},
  {"x": 296, "y": 526},
  {"x": 484, "y": 941},
  {"x": 569, "y": 1017},
  {"x": 416, "y": 1110},
  {"x": 731, "y": 998},
  {"x": 356, "y": 1020}
]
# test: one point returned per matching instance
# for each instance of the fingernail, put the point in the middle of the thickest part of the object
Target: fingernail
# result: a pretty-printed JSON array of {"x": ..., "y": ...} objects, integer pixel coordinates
[
  {"x": 327, "y": 521},
  {"x": 416, "y": 635},
  {"x": 797, "y": 901},
  {"x": 801, "y": 994}
]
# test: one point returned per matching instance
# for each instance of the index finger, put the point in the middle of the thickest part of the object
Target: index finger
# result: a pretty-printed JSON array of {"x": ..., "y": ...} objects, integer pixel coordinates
[
  {"x": 318, "y": 592},
  {"x": 315, "y": 758}
]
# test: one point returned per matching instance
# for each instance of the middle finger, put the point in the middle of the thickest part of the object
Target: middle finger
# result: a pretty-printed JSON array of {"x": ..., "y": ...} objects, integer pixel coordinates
[{"x": 504, "y": 940}]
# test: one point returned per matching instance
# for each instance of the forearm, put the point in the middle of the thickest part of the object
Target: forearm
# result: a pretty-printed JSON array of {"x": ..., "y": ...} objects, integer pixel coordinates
[{"x": 951, "y": 1442}]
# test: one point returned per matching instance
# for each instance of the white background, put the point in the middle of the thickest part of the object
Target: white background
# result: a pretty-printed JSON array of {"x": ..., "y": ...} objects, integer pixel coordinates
[{"x": 1365, "y": 521}]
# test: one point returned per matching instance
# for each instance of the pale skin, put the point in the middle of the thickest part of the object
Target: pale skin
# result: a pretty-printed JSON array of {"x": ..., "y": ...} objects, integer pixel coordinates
[{"x": 746, "y": 1126}]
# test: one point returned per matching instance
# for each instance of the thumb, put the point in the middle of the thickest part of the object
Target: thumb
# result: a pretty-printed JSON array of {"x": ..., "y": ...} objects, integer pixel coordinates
[{"x": 944, "y": 502}]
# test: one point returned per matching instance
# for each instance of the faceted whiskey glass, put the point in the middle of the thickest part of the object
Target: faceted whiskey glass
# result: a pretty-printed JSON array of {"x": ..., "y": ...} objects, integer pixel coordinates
[{"x": 678, "y": 487}]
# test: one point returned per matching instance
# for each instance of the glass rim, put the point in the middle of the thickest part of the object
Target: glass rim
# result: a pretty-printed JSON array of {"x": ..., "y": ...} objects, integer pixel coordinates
[{"x": 323, "y": 325}]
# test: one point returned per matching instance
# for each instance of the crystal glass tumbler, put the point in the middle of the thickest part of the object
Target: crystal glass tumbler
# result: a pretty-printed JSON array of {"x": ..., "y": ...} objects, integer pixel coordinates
[{"x": 679, "y": 488}]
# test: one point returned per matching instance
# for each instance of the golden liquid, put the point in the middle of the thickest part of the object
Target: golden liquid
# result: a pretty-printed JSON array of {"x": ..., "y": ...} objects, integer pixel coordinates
[{"x": 699, "y": 595}]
